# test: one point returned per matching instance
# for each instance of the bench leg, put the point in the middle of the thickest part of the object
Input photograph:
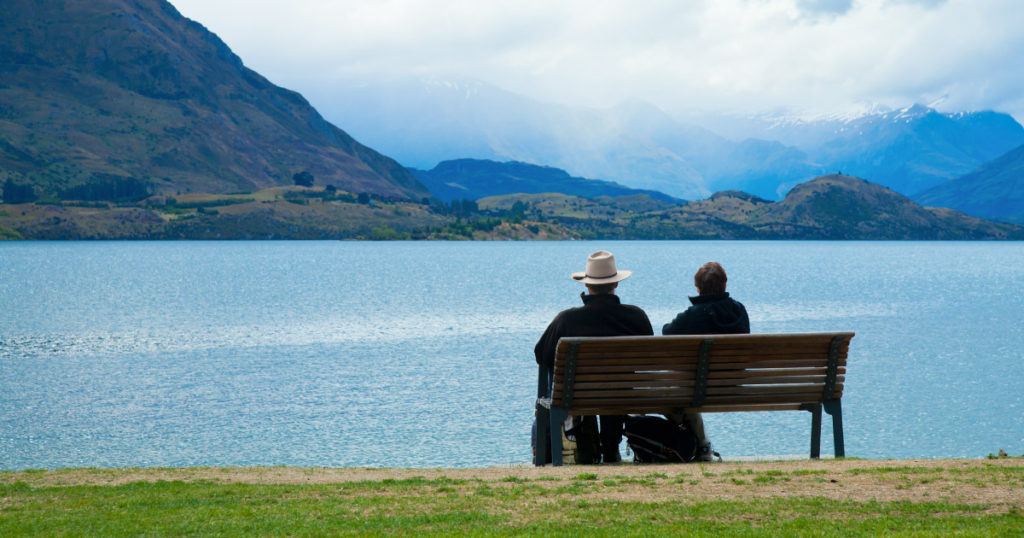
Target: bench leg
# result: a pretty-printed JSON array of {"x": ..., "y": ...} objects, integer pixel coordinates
[
  {"x": 815, "y": 431},
  {"x": 540, "y": 450},
  {"x": 558, "y": 417},
  {"x": 835, "y": 409}
]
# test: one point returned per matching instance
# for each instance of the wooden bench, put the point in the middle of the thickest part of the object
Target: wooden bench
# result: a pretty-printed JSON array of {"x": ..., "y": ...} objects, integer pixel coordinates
[{"x": 705, "y": 373}]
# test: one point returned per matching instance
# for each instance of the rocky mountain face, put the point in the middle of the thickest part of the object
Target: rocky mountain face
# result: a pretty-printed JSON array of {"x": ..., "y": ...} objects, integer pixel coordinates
[
  {"x": 423, "y": 122},
  {"x": 91, "y": 91},
  {"x": 472, "y": 179},
  {"x": 994, "y": 191}
]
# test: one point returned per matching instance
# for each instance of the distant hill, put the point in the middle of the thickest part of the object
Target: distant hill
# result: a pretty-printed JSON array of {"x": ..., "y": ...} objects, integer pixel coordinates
[
  {"x": 994, "y": 191},
  {"x": 473, "y": 179},
  {"x": 828, "y": 207},
  {"x": 844, "y": 207},
  {"x": 99, "y": 91}
]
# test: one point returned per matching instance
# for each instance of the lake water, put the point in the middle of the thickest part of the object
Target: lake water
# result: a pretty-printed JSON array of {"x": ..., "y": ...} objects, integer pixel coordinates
[{"x": 419, "y": 354}]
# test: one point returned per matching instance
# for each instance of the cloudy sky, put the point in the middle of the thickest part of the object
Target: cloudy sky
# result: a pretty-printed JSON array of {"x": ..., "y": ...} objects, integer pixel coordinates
[{"x": 803, "y": 56}]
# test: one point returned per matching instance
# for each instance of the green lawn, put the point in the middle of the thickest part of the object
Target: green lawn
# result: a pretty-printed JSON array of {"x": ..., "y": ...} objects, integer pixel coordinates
[{"x": 796, "y": 498}]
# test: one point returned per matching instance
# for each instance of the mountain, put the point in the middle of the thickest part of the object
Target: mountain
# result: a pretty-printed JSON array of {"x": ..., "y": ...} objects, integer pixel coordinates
[
  {"x": 916, "y": 148},
  {"x": 425, "y": 121},
  {"x": 994, "y": 191},
  {"x": 907, "y": 150},
  {"x": 129, "y": 91},
  {"x": 472, "y": 179},
  {"x": 422, "y": 122}
]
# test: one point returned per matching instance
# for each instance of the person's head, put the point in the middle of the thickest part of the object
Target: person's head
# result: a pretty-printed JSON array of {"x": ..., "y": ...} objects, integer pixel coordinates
[
  {"x": 601, "y": 276},
  {"x": 710, "y": 278}
]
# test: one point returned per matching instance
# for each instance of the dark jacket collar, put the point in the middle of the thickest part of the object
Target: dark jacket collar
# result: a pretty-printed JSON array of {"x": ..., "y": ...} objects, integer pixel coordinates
[
  {"x": 603, "y": 299},
  {"x": 709, "y": 298}
]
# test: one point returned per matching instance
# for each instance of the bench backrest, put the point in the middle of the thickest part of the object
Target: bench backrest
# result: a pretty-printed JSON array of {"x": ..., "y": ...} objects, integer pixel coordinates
[{"x": 706, "y": 373}]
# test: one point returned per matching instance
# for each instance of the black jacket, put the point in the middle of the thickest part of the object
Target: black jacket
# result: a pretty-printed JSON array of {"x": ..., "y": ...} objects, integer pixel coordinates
[
  {"x": 600, "y": 315},
  {"x": 715, "y": 313}
]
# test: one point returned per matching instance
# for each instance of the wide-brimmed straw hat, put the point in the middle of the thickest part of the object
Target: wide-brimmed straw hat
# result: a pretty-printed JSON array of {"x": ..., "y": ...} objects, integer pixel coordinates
[{"x": 601, "y": 270}]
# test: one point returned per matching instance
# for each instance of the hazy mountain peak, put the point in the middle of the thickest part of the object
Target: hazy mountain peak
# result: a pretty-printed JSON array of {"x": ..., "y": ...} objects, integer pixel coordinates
[
  {"x": 914, "y": 111},
  {"x": 465, "y": 87}
]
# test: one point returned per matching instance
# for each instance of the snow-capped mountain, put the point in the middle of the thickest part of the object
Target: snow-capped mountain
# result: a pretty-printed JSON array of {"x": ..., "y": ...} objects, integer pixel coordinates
[{"x": 421, "y": 122}]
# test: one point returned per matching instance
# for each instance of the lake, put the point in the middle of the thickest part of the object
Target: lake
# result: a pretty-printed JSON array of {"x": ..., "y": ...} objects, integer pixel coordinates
[{"x": 420, "y": 354}]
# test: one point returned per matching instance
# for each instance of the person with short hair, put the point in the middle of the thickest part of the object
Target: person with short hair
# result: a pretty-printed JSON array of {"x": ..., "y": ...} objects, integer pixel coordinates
[
  {"x": 712, "y": 312},
  {"x": 602, "y": 314}
]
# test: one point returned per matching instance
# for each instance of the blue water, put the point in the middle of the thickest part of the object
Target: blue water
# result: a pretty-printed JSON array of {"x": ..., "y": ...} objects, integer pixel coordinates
[{"x": 420, "y": 354}]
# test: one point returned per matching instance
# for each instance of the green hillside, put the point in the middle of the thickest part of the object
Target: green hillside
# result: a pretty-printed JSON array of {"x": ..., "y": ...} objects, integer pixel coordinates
[{"x": 130, "y": 94}]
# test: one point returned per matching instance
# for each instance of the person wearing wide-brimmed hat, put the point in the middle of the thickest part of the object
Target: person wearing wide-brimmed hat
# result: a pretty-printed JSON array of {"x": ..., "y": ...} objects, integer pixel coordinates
[{"x": 602, "y": 314}]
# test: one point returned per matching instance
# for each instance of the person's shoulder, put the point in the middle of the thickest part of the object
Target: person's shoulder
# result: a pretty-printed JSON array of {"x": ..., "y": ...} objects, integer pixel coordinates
[
  {"x": 681, "y": 323},
  {"x": 737, "y": 303},
  {"x": 633, "y": 308},
  {"x": 567, "y": 313}
]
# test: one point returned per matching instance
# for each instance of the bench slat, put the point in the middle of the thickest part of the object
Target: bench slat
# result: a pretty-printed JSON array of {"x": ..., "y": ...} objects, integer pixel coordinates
[
  {"x": 692, "y": 352},
  {"x": 684, "y": 391},
  {"x": 719, "y": 347},
  {"x": 789, "y": 388},
  {"x": 642, "y": 380},
  {"x": 750, "y": 408},
  {"x": 591, "y": 386},
  {"x": 657, "y": 404},
  {"x": 634, "y": 376},
  {"x": 713, "y": 375},
  {"x": 793, "y": 363},
  {"x": 665, "y": 409},
  {"x": 818, "y": 380},
  {"x": 588, "y": 368},
  {"x": 733, "y": 339},
  {"x": 729, "y": 374}
]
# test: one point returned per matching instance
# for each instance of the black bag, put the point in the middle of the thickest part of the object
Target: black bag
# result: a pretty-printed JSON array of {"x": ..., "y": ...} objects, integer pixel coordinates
[
  {"x": 588, "y": 442},
  {"x": 659, "y": 440}
]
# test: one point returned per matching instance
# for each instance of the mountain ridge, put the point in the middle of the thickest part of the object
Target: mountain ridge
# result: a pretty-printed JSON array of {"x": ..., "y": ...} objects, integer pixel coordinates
[
  {"x": 993, "y": 191},
  {"x": 473, "y": 179}
]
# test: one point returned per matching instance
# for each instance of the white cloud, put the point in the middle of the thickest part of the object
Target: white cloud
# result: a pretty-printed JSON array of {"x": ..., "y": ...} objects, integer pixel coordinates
[{"x": 752, "y": 55}]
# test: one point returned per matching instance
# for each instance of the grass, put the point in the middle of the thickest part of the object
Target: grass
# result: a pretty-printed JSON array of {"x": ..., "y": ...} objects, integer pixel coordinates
[{"x": 792, "y": 498}]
